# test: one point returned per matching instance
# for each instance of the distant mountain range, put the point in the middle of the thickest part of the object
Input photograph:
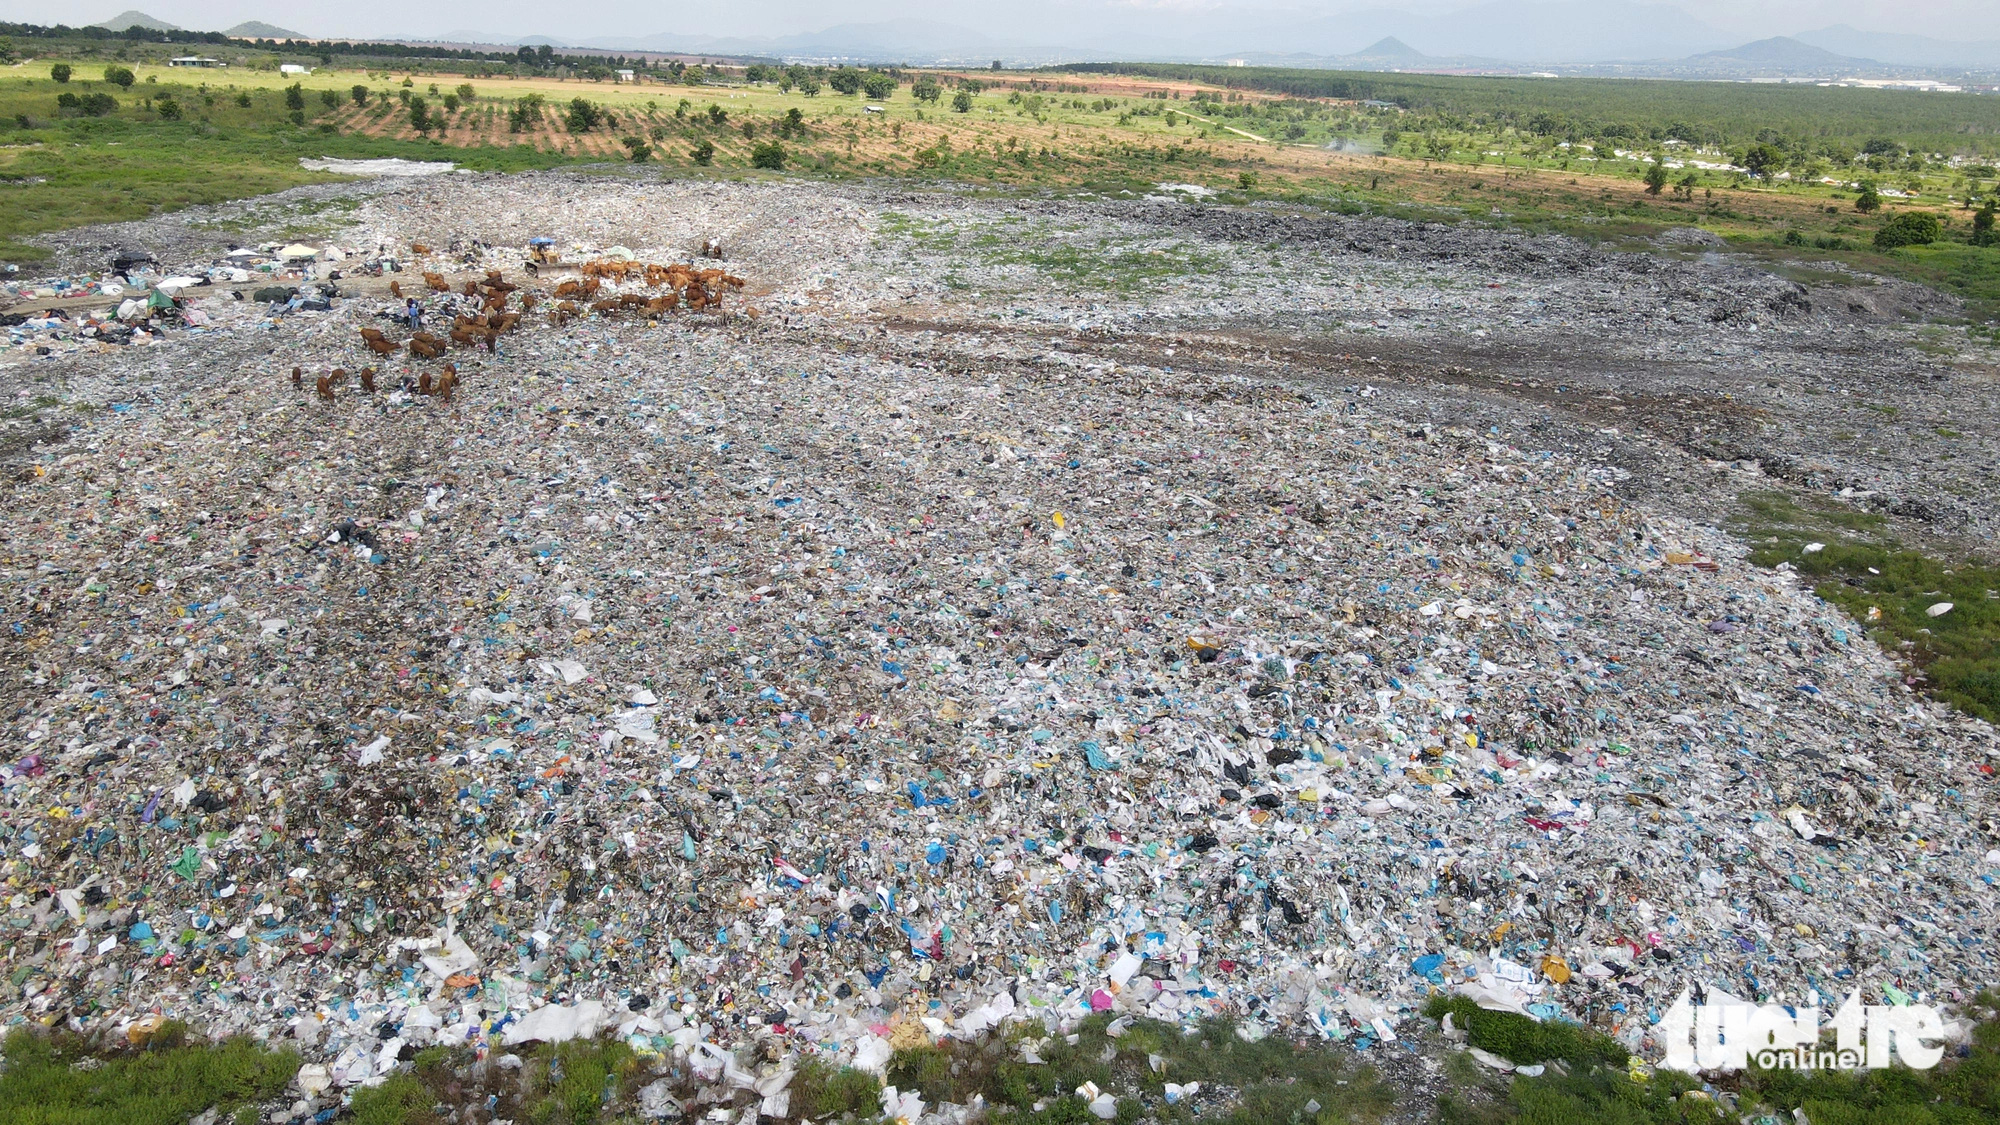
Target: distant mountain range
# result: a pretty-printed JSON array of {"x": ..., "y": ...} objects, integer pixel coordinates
[
  {"x": 1625, "y": 36},
  {"x": 1488, "y": 35},
  {"x": 1387, "y": 54},
  {"x": 1780, "y": 55},
  {"x": 1391, "y": 50},
  {"x": 1555, "y": 32},
  {"x": 249, "y": 29},
  {"x": 123, "y": 20},
  {"x": 897, "y": 39},
  {"x": 1520, "y": 30},
  {"x": 1783, "y": 53},
  {"x": 1906, "y": 50},
  {"x": 258, "y": 29}
]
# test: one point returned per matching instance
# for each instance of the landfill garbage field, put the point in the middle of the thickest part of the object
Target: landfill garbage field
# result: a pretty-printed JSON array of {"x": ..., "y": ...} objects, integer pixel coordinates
[{"x": 866, "y": 622}]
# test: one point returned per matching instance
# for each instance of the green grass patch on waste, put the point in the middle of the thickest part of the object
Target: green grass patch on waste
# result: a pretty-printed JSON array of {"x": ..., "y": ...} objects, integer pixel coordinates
[
  {"x": 1519, "y": 1039},
  {"x": 577, "y": 1080},
  {"x": 822, "y": 1092},
  {"x": 63, "y": 1080},
  {"x": 400, "y": 1100},
  {"x": 1959, "y": 1091},
  {"x": 581, "y": 1082},
  {"x": 1599, "y": 1096},
  {"x": 1245, "y": 1082},
  {"x": 1064, "y": 256},
  {"x": 1861, "y": 570}
]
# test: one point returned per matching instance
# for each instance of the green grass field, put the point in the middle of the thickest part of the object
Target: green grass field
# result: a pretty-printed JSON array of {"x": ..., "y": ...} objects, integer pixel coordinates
[
  {"x": 60, "y": 171},
  {"x": 1504, "y": 152}
]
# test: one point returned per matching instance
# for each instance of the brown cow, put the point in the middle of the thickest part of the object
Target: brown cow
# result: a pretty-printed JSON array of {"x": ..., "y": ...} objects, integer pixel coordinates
[{"x": 379, "y": 343}]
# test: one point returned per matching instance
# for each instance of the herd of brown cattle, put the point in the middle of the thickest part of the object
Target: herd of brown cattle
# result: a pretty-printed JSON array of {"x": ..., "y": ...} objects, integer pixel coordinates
[
  {"x": 686, "y": 287},
  {"x": 697, "y": 290},
  {"x": 439, "y": 385}
]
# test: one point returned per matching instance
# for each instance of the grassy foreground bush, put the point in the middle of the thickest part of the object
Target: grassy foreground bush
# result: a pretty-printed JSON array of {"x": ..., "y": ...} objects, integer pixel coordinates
[{"x": 64, "y": 1081}]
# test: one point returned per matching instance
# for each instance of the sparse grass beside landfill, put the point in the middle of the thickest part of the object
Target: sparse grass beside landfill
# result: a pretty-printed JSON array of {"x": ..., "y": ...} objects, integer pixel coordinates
[
  {"x": 164, "y": 1080},
  {"x": 1072, "y": 258},
  {"x": 1892, "y": 591},
  {"x": 1963, "y": 1090},
  {"x": 1218, "y": 1071}
]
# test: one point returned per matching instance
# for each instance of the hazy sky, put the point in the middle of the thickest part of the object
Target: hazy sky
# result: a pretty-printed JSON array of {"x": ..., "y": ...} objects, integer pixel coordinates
[{"x": 1038, "y": 19}]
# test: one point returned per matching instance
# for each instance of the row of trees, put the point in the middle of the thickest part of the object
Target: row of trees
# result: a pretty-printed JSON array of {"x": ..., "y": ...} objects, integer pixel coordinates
[
  {"x": 89, "y": 105},
  {"x": 810, "y": 80},
  {"x": 542, "y": 58},
  {"x": 120, "y": 76},
  {"x": 422, "y": 117},
  {"x": 1439, "y": 138},
  {"x": 1631, "y": 114}
]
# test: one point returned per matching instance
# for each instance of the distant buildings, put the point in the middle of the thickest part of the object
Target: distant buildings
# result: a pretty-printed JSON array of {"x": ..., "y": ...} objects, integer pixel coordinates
[
  {"x": 1922, "y": 85},
  {"x": 195, "y": 60}
]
